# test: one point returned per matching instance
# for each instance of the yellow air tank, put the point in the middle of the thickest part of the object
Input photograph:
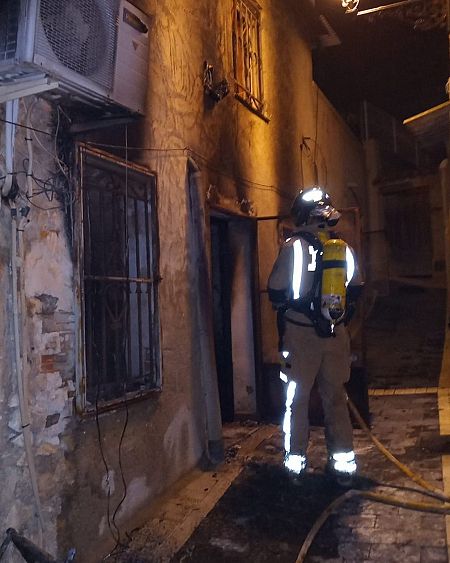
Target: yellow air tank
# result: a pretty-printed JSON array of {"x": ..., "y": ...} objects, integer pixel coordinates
[{"x": 334, "y": 277}]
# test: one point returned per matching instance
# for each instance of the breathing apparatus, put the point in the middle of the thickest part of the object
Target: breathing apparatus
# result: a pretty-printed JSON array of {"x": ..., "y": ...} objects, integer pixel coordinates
[
  {"x": 334, "y": 280},
  {"x": 313, "y": 206}
]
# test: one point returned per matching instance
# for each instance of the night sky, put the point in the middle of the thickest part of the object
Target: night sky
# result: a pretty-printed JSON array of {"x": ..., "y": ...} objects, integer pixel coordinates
[{"x": 384, "y": 61}]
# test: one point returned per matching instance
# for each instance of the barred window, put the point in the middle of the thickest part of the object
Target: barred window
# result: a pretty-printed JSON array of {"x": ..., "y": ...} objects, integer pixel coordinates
[
  {"x": 247, "y": 53},
  {"x": 119, "y": 277}
]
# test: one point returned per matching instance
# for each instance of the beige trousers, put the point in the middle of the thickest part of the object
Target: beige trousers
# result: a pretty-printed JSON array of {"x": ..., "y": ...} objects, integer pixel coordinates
[{"x": 328, "y": 360}]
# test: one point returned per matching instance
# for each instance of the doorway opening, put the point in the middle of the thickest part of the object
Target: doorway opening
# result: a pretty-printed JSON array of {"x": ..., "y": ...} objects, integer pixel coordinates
[{"x": 232, "y": 262}]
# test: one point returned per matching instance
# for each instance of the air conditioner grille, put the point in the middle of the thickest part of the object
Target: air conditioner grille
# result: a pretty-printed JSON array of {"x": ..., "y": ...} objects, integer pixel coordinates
[
  {"x": 9, "y": 25},
  {"x": 81, "y": 35}
]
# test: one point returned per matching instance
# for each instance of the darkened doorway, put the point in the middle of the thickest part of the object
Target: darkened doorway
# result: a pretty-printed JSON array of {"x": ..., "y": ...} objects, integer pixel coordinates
[
  {"x": 221, "y": 282},
  {"x": 232, "y": 253}
]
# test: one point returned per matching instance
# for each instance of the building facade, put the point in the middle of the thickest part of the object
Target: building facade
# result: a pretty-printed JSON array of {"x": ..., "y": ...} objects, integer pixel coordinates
[{"x": 135, "y": 253}]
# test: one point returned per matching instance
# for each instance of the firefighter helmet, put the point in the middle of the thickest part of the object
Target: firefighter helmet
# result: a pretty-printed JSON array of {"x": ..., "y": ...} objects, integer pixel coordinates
[{"x": 313, "y": 203}]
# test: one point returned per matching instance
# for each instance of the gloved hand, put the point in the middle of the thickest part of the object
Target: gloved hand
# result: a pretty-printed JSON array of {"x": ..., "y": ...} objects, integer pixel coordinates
[{"x": 285, "y": 361}]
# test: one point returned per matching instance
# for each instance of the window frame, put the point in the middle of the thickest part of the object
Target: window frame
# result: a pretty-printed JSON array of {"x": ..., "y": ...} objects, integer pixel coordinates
[
  {"x": 82, "y": 405},
  {"x": 255, "y": 102}
]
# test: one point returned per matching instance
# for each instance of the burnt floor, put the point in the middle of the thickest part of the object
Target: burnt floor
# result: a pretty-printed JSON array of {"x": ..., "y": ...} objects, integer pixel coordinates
[{"x": 266, "y": 514}]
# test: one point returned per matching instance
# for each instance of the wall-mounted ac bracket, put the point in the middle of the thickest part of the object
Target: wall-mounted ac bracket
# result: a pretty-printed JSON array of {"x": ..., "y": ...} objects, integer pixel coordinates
[{"x": 26, "y": 86}]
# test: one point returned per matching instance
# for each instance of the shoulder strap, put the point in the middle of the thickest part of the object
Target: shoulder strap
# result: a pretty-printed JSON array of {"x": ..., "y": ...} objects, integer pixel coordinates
[{"x": 314, "y": 293}]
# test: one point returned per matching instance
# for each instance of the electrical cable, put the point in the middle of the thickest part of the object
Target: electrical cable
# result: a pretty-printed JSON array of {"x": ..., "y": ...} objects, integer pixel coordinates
[
  {"x": 128, "y": 148},
  {"x": 13, "y": 122},
  {"x": 54, "y": 154},
  {"x": 116, "y": 551},
  {"x": 47, "y": 186},
  {"x": 58, "y": 160},
  {"x": 304, "y": 145},
  {"x": 105, "y": 463},
  {"x": 407, "y": 489},
  {"x": 122, "y": 475},
  {"x": 18, "y": 218},
  {"x": 257, "y": 185},
  {"x": 207, "y": 162},
  {"x": 127, "y": 255}
]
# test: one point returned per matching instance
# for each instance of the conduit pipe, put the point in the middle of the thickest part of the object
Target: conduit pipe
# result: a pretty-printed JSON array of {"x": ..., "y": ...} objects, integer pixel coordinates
[{"x": 11, "y": 113}]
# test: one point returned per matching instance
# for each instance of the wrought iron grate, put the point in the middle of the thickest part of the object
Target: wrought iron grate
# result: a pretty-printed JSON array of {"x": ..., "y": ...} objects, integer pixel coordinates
[
  {"x": 247, "y": 54},
  {"x": 120, "y": 280}
]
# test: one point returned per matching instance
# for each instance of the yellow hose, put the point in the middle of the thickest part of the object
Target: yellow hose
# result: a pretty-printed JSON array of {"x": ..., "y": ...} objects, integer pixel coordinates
[
  {"x": 413, "y": 476},
  {"x": 434, "y": 508},
  {"x": 375, "y": 497},
  {"x": 321, "y": 521}
]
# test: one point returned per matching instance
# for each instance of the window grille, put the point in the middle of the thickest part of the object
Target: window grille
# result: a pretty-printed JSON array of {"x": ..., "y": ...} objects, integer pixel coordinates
[
  {"x": 247, "y": 54},
  {"x": 119, "y": 280}
]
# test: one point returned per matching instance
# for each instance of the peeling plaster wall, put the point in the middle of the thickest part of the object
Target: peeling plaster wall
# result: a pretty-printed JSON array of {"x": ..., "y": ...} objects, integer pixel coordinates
[
  {"x": 48, "y": 340},
  {"x": 250, "y": 167}
]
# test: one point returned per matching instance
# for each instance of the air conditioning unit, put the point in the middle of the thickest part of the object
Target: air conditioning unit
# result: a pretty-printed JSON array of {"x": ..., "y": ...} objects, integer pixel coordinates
[{"x": 97, "y": 50}]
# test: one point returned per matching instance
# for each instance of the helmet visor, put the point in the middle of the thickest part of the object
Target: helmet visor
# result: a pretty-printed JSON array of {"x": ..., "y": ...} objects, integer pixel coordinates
[{"x": 327, "y": 213}]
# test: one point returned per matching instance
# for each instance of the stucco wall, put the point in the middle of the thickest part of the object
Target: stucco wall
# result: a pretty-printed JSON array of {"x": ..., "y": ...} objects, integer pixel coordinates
[{"x": 249, "y": 166}]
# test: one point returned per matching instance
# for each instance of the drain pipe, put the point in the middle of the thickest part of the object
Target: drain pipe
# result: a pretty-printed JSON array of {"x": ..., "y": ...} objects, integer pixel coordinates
[
  {"x": 208, "y": 372},
  {"x": 11, "y": 113}
]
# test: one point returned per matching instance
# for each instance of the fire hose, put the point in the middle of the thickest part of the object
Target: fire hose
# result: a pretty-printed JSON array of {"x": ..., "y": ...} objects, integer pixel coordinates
[{"x": 429, "y": 490}]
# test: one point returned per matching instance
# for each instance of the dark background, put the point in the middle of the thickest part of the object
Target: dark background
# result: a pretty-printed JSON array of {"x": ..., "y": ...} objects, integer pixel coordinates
[{"x": 382, "y": 60}]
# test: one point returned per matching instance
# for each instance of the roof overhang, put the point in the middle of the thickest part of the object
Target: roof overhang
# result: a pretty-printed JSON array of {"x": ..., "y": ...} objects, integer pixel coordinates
[
  {"x": 320, "y": 31},
  {"x": 431, "y": 127}
]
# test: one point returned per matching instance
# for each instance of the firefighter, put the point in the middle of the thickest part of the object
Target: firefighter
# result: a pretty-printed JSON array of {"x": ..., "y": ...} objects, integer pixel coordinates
[{"x": 313, "y": 286}]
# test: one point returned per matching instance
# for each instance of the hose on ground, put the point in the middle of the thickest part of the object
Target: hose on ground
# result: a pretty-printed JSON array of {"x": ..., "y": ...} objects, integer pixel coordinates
[
  {"x": 413, "y": 476},
  {"x": 374, "y": 497},
  {"x": 435, "y": 508},
  {"x": 321, "y": 521}
]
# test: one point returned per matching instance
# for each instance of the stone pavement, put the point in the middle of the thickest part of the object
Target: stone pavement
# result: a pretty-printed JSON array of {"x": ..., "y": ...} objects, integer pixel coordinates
[{"x": 367, "y": 531}]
